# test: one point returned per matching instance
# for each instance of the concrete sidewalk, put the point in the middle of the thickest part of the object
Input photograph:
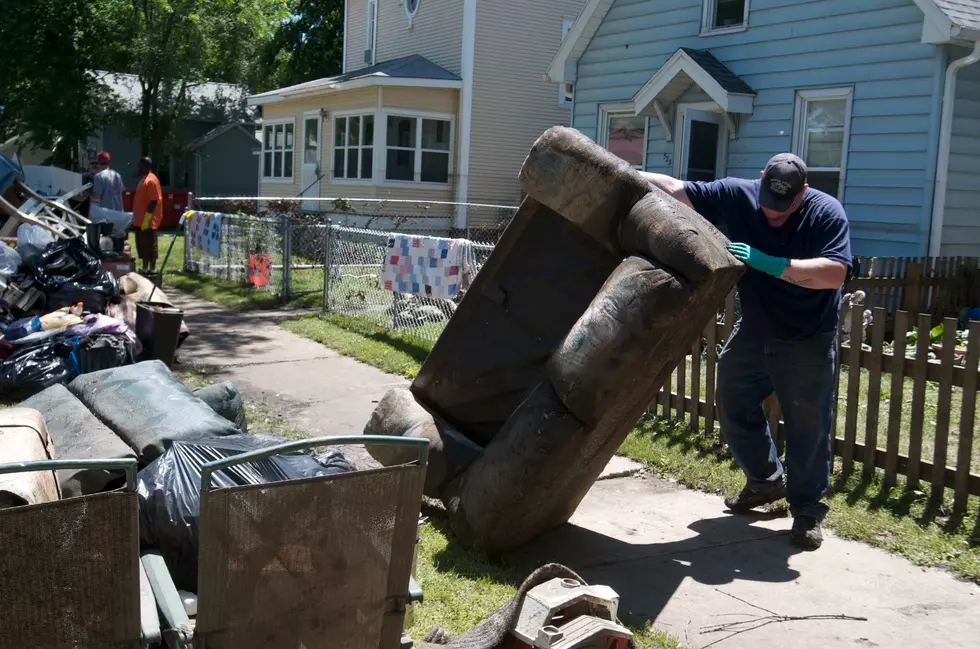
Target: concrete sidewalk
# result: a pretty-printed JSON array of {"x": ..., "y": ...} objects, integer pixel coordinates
[{"x": 673, "y": 555}]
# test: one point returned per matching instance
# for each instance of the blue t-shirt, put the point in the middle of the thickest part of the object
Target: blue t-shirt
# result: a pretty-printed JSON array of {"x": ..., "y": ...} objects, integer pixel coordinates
[{"x": 771, "y": 307}]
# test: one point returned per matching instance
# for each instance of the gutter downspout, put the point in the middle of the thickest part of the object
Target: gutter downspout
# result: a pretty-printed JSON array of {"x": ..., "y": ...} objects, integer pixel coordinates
[{"x": 945, "y": 139}]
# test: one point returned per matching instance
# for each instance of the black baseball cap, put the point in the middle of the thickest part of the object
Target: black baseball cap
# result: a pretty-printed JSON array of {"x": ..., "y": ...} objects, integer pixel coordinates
[{"x": 782, "y": 181}]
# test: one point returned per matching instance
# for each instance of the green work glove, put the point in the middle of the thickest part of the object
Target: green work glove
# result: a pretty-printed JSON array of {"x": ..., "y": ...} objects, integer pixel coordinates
[{"x": 758, "y": 260}]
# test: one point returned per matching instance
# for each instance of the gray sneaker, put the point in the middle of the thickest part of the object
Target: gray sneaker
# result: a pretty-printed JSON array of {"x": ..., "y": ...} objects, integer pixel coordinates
[
  {"x": 752, "y": 497},
  {"x": 806, "y": 533}
]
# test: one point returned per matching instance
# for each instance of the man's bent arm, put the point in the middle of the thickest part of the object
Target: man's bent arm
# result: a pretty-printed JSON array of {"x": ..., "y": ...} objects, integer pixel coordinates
[
  {"x": 818, "y": 274},
  {"x": 668, "y": 184}
]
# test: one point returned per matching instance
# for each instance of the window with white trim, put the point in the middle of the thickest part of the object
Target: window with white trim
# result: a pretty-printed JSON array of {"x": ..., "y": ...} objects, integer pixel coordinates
[
  {"x": 353, "y": 147},
  {"x": 566, "y": 89},
  {"x": 418, "y": 149},
  {"x": 821, "y": 132},
  {"x": 372, "y": 27},
  {"x": 278, "y": 144},
  {"x": 625, "y": 135},
  {"x": 724, "y": 15}
]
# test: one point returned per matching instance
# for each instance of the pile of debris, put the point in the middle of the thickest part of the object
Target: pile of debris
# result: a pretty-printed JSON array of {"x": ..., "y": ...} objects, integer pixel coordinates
[{"x": 65, "y": 308}]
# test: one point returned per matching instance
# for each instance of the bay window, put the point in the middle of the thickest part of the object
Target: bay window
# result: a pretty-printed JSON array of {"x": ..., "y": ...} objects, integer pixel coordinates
[
  {"x": 278, "y": 144},
  {"x": 353, "y": 153},
  {"x": 417, "y": 149}
]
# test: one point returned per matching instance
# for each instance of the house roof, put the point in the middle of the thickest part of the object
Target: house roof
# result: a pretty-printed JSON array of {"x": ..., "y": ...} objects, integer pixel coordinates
[
  {"x": 689, "y": 66},
  {"x": 414, "y": 70},
  {"x": 207, "y": 100},
  {"x": 221, "y": 130},
  {"x": 962, "y": 13},
  {"x": 951, "y": 20}
]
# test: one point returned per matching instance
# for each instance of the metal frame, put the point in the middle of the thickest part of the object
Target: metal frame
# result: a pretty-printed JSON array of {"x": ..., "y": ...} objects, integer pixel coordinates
[
  {"x": 149, "y": 619},
  {"x": 180, "y": 632}
]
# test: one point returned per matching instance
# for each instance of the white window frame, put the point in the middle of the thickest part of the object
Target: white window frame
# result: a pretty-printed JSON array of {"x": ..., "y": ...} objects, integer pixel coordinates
[
  {"x": 343, "y": 114},
  {"x": 566, "y": 89},
  {"x": 411, "y": 12},
  {"x": 606, "y": 111},
  {"x": 803, "y": 99},
  {"x": 381, "y": 170},
  {"x": 709, "y": 8},
  {"x": 272, "y": 123},
  {"x": 371, "y": 33}
]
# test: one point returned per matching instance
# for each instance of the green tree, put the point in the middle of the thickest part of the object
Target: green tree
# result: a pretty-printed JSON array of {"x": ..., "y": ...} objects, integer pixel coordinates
[
  {"x": 309, "y": 44},
  {"x": 47, "y": 92},
  {"x": 174, "y": 45}
]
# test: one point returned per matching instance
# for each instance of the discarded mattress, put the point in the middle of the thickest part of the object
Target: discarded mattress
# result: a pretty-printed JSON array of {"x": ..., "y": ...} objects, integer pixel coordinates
[
  {"x": 148, "y": 408},
  {"x": 24, "y": 438},
  {"x": 597, "y": 289},
  {"x": 78, "y": 435}
]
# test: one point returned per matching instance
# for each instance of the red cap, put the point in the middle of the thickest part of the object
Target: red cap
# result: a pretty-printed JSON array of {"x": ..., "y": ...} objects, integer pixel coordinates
[{"x": 102, "y": 157}]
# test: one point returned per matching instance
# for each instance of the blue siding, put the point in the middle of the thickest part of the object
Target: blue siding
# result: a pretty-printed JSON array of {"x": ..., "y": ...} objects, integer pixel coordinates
[
  {"x": 961, "y": 221},
  {"x": 799, "y": 44}
]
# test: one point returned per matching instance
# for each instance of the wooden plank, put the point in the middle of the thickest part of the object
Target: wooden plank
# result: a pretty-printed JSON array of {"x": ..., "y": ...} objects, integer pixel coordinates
[
  {"x": 892, "y": 303},
  {"x": 695, "y": 384},
  {"x": 918, "y": 401},
  {"x": 681, "y": 386},
  {"x": 925, "y": 468},
  {"x": 665, "y": 398},
  {"x": 874, "y": 387},
  {"x": 967, "y": 421},
  {"x": 932, "y": 371},
  {"x": 853, "y": 389},
  {"x": 947, "y": 357},
  {"x": 896, "y": 397},
  {"x": 709, "y": 380}
]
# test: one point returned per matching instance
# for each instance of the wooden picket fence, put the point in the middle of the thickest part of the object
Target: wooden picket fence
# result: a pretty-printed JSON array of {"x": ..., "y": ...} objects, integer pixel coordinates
[
  {"x": 895, "y": 436},
  {"x": 940, "y": 286}
]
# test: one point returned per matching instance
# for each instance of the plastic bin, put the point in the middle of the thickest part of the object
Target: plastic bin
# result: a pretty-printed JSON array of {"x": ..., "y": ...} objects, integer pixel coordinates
[{"x": 158, "y": 330}]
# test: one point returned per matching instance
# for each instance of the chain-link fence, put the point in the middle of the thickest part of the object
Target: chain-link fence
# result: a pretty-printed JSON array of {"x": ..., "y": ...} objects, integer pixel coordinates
[{"x": 275, "y": 245}]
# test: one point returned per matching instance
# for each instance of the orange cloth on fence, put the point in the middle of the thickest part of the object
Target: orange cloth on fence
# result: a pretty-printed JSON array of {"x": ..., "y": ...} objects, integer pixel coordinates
[{"x": 148, "y": 190}]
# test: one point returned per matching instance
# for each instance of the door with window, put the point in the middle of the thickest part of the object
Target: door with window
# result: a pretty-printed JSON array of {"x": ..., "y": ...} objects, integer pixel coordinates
[
  {"x": 310, "y": 175},
  {"x": 703, "y": 143}
]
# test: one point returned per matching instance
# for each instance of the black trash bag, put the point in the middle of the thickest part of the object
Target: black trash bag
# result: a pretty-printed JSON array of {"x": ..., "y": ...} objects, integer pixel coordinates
[
  {"x": 170, "y": 491},
  {"x": 34, "y": 367},
  {"x": 226, "y": 400},
  {"x": 104, "y": 351},
  {"x": 69, "y": 272},
  {"x": 148, "y": 408}
]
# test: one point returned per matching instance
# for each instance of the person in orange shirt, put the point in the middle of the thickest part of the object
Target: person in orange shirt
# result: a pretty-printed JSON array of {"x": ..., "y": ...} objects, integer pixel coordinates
[{"x": 147, "y": 214}]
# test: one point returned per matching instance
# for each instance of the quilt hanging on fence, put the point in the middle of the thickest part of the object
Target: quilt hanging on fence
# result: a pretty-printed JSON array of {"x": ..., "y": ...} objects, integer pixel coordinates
[
  {"x": 427, "y": 266},
  {"x": 204, "y": 232}
]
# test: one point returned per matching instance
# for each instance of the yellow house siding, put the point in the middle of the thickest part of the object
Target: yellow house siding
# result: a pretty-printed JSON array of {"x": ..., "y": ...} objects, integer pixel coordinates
[
  {"x": 430, "y": 100},
  {"x": 512, "y": 103},
  {"x": 436, "y": 32}
]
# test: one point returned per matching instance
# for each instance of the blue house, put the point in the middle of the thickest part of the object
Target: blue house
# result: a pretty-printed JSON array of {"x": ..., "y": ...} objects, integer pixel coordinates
[{"x": 880, "y": 97}]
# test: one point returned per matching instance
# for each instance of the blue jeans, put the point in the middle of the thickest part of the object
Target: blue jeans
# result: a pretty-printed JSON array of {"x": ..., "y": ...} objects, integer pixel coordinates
[{"x": 802, "y": 375}]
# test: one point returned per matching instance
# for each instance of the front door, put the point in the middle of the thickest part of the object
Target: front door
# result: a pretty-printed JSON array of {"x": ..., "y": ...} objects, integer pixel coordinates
[
  {"x": 310, "y": 176},
  {"x": 703, "y": 145}
]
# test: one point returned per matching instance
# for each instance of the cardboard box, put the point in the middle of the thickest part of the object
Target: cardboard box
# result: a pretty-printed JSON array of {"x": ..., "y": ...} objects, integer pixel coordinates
[{"x": 120, "y": 267}]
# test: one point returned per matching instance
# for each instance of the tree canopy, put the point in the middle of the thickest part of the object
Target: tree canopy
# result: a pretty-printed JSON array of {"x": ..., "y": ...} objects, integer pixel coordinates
[{"x": 50, "y": 90}]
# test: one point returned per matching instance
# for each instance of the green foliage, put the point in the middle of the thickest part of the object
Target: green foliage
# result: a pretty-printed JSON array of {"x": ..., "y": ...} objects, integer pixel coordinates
[
  {"x": 308, "y": 45},
  {"x": 46, "y": 90}
]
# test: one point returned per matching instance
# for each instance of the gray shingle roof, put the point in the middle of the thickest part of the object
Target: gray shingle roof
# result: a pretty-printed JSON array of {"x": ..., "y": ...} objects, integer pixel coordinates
[
  {"x": 408, "y": 67},
  {"x": 963, "y": 13},
  {"x": 727, "y": 79}
]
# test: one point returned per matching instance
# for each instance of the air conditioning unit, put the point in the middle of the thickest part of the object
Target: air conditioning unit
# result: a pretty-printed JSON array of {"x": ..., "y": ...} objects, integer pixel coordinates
[{"x": 368, "y": 56}]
